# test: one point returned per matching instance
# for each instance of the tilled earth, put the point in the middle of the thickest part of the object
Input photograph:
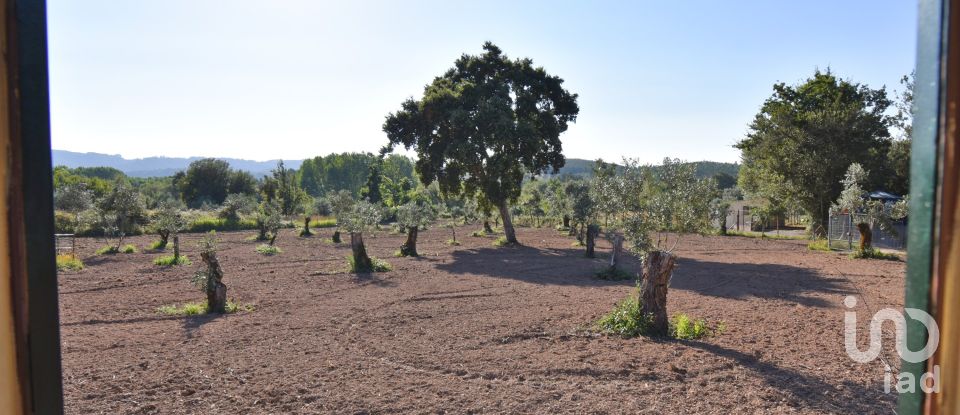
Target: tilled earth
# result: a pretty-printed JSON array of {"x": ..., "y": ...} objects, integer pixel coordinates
[{"x": 469, "y": 329}]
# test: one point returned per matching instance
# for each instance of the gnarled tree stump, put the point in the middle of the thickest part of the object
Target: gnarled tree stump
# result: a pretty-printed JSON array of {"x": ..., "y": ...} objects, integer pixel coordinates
[
  {"x": 866, "y": 236},
  {"x": 336, "y": 236},
  {"x": 657, "y": 270},
  {"x": 486, "y": 228},
  {"x": 361, "y": 261},
  {"x": 616, "y": 252},
  {"x": 409, "y": 247},
  {"x": 216, "y": 289}
]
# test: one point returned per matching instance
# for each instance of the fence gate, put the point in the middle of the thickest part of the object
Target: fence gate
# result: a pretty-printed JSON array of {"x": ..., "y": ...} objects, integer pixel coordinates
[{"x": 66, "y": 243}]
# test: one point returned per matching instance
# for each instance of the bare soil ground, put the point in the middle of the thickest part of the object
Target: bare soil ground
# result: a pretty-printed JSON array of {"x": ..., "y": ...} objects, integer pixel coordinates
[{"x": 469, "y": 329}]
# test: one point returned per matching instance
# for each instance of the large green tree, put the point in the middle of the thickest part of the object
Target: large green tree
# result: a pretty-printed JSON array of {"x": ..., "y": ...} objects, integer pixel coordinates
[
  {"x": 806, "y": 136},
  {"x": 483, "y": 124},
  {"x": 205, "y": 180}
]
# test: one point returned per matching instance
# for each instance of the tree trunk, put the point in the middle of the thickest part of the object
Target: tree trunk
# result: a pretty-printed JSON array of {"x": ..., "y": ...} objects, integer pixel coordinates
[
  {"x": 216, "y": 289},
  {"x": 657, "y": 270},
  {"x": 176, "y": 248},
  {"x": 566, "y": 221},
  {"x": 409, "y": 248},
  {"x": 866, "y": 236},
  {"x": 508, "y": 231},
  {"x": 361, "y": 262},
  {"x": 306, "y": 227},
  {"x": 164, "y": 237},
  {"x": 592, "y": 231},
  {"x": 616, "y": 252},
  {"x": 573, "y": 230},
  {"x": 486, "y": 227},
  {"x": 336, "y": 236},
  {"x": 273, "y": 236}
]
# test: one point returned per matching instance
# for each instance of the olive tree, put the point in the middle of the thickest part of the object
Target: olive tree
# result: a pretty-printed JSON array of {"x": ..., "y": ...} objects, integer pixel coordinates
[
  {"x": 484, "y": 124},
  {"x": 656, "y": 205},
  {"x": 361, "y": 217},
  {"x": 414, "y": 216},
  {"x": 269, "y": 222},
  {"x": 341, "y": 203},
  {"x": 853, "y": 199},
  {"x": 210, "y": 279},
  {"x": 168, "y": 221},
  {"x": 120, "y": 210},
  {"x": 235, "y": 205}
]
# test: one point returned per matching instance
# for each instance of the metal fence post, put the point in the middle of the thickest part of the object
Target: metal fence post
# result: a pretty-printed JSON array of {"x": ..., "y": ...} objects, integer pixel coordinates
[{"x": 850, "y": 231}]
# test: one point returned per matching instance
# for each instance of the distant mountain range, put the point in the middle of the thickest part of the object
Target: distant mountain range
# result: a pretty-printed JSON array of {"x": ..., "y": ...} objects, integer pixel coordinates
[
  {"x": 158, "y": 166},
  {"x": 168, "y": 166}
]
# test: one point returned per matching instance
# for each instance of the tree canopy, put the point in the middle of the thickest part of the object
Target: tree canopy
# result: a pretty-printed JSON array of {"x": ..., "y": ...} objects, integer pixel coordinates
[
  {"x": 484, "y": 124},
  {"x": 806, "y": 136}
]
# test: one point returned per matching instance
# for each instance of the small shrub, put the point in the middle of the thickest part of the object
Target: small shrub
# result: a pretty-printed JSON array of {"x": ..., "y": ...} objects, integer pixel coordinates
[
  {"x": 193, "y": 309},
  {"x": 107, "y": 250},
  {"x": 685, "y": 328},
  {"x": 69, "y": 262},
  {"x": 157, "y": 245},
  {"x": 577, "y": 244},
  {"x": 625, "y": 319},
  {"x": 501, "y": 241},
  {"x": 169, "y": 261},
  {"x": 613, "y": 274},
  {"x": 268, "y": 250},
  {"x": 128, "y": 249},
  {"x": 379, "y": 265},
  {"x": 323, "y": 223},
  {"x": 873, "y": 253},
  {"x": 452, "y": 242}
]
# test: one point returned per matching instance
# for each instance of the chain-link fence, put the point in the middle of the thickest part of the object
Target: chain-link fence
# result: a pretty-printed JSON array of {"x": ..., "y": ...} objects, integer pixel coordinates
[{"x": 842, "y": 232}]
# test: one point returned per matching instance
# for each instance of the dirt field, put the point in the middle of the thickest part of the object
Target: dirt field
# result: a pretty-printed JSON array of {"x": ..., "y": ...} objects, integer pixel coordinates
[{"x": 468, "y": 329}]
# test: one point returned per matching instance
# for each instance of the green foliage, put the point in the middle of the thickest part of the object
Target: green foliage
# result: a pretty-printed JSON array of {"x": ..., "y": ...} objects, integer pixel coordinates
[
  {"x": 235, "y": 205},
  {"x": 515, "y": 113},
  {"x": 205, "y": 180},
  {"x": 268, "y": 221},
  {"x": 379, "y": 265},
  {"x": 415, "y": 214},
  {"x": 323, "y": 223},
  {"x": 453, "y": 242},
  {"x": 193, "y": 309},
  {"x": 349, "y": 172},
  {"x": 290, "y": 197},
  {"x": 501, "y": 241},
  {"x": 683, "y": 327},
  {"x": 121, "y": 210},
  {"x": 626, "y": 319},
  {"x": 169, "y": 261},
  {"x": 157, "y": 245},
  {"x": 74, "y": 197},
  {"x": 268, "y": 250},
  {"x": 873, "y": 253},
  {"x": 69, "y": 262},
  {"x": 107, "y": 250},
  {"x": 362, "y": 216},
  {"x": 128, "y": 249},
  {"x": 672, "y": 199},
  {"x": 784, "y": 151},
  {"x": 209, "y": 223}
]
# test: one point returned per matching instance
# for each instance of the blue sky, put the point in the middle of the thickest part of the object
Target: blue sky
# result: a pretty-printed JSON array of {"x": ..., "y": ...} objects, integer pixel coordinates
[{"x": 295, "y": 79}]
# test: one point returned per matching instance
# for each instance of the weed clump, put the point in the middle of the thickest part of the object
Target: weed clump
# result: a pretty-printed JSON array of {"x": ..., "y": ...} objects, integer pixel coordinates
[
  {"x": 69, "y": 262},
  {"x": 873, "y": 253},
  {"x": 170, "y": 260},
  {"x": 268, "y": 250},
  {"x": 193, "y": 309}
]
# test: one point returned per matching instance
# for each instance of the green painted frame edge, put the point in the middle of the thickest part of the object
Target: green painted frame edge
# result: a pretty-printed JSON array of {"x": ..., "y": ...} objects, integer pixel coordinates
[
  {"x": 928, "y": 111},
  {"x": 46, "y": 378}
]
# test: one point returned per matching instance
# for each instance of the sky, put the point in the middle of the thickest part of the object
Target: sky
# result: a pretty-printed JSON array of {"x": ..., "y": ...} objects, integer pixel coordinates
[{"x": 291, "y": 79}]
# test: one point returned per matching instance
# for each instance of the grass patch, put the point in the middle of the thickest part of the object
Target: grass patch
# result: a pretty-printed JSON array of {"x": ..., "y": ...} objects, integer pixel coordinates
[
  {"x": 614, "y": 274},
  {"x": 820, "y": 245},
  {"x": 873, "y": 253},
  {"x": 685, "y": 328},
  {"x": 268, "y": 250},
  {"x": 451, "y": 242},
  {"x": 207, "y": 224},
  {"x": 107, "y": 250},
  {"x": 577, "y": 244},
  {"x": 379, "y": 265},
  {"x": 69, "y": 262},
  {"x": 169, "y": 261},
  {"x": 478, "y": 234},
  {"x": 128, "y": 249},
  {"x": 323, "y": 223},
  {"x": 194, "y": 309},
  {"x": 157, "y": 245}
]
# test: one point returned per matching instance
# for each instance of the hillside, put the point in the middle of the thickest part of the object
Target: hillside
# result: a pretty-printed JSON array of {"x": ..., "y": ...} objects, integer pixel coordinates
[
  {"x": 157, "y": 166},
  {"x": 581, "y": 167}
]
